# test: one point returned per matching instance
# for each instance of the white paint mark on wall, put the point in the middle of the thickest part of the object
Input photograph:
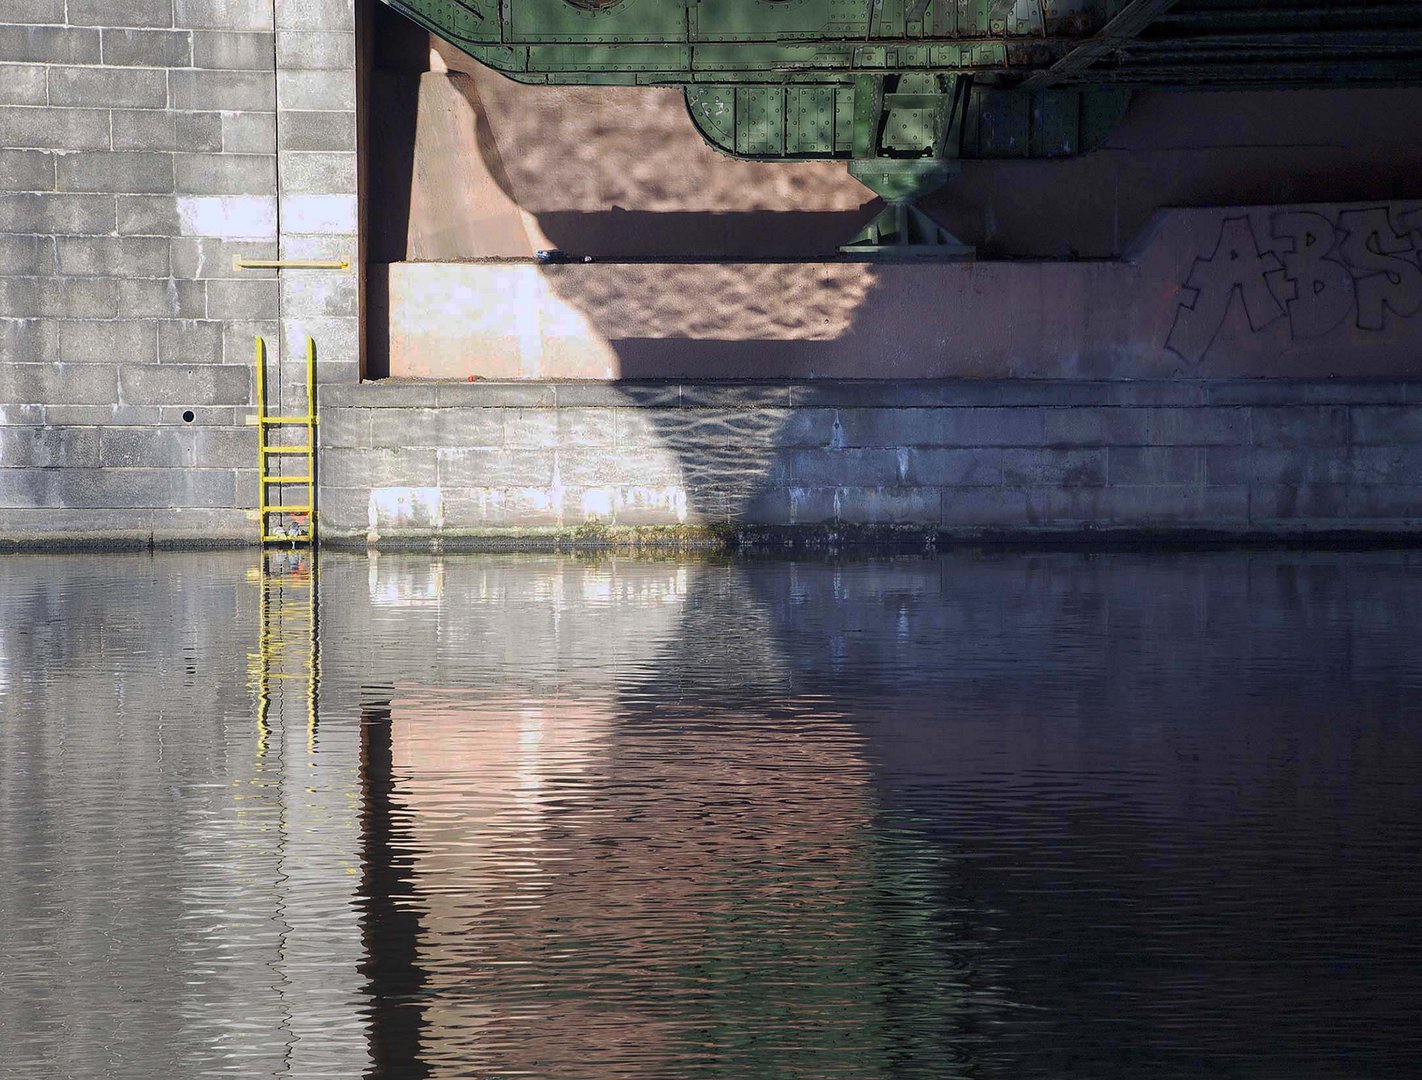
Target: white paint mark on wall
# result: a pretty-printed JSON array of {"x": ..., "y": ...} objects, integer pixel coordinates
[
  {"x": 236, "y": 217},
  {"x": 319, "y": 214},
  {"x": 406, "y": 507}
]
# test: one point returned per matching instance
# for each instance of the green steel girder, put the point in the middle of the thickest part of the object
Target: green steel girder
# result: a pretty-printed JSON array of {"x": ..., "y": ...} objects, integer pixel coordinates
[{"x": 903, "y": 88}]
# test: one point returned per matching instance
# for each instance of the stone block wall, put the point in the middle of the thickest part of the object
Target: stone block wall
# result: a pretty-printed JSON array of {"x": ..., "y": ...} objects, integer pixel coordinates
[
  {"x": 479, "y": 462},
  {"x": 145, "y": 145}
]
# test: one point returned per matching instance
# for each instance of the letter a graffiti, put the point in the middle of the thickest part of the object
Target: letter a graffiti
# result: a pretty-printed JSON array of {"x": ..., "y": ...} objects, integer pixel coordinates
[{"x": 1236, "y": 267}]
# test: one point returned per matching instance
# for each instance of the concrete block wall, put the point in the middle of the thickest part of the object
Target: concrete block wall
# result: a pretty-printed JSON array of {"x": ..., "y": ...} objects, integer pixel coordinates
[
  {"x": 411, "y": 461},
  {"x": 144, "y": 145}
]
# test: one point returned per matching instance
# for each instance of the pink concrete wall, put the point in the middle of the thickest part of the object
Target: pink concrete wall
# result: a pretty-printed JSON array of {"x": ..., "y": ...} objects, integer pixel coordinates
[{"x": 1302, "y": 291}]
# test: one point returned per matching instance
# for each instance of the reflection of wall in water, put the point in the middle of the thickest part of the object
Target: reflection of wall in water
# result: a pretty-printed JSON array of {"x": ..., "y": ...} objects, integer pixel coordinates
[
  {"x": 633, "y": 896},
  {"x": 204, "y": 884}
]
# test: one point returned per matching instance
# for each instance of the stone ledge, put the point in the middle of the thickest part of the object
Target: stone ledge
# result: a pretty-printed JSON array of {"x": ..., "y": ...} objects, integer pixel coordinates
[
  {"x": 871, "y": 393},
  {"x": 883, "y": 537}
]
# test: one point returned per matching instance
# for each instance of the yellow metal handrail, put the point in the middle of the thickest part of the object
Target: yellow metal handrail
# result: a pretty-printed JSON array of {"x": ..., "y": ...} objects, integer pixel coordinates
[{"x": 302, "y": 514}]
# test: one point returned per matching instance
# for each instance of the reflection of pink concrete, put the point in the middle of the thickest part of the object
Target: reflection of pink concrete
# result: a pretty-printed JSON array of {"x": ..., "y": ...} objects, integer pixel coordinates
[{"x": 1212, "y": 293}]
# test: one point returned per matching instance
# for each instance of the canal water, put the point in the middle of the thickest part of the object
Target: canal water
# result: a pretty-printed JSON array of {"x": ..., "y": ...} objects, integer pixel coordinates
[{"x": 995, "y": 816}]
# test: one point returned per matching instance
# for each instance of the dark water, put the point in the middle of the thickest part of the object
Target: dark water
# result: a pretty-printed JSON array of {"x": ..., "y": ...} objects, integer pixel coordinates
[{"x": 1047, "y": 815}]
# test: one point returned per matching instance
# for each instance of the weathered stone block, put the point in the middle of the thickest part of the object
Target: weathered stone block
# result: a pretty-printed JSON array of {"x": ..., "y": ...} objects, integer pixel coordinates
[
  {"x": 799, "y": 505},
  {"x": 190, "y": 342},
  {"x": 722, "y": 467},
  {"x": 317, "y": 50},
  {"x": 212, "y": 487},
  {"x": 1303, "y": 425},
  {"x": 26, "y": 170},
  {"x": 317, "y": 130},
  {"x": 224, "y": 174},
  {"x": 162, "y": 298},
  {"x": 27, "y": 341},
  {"x": 102, "y": 415},
  {"x": 228, "y": 448},
  {"x": 382, "y": 467},
  {"x": 586, "y": 427},
  {"x": 530, "y": 428},
  {"x": 1097, "y": 426},
  {"x": 96, "y": 87},
  {"x": 735, "y": 396},
  {"x": 838, "y": 468},
  {"x": 29, "y": 488},
  {"x": 1399, "y": 503},
  {"x": 124, "y": 47},
  {"x": 154, "y": 130},
  {"x": 135, "y": 172},
  {"x": 247, "y": 133},
  {"x": 128, "y": 13},
  {"x": 114, "y": 256},
  {"x": 186, "y": 385},
  {"x": 55, "y": 384},
  {"x": 32, "y": 12},
  {"x": 344, "y": 509},
  {"x": 987, "y": 508},
  {"x": 1385, "y": 425},
  {"x": 1155, "y": 465},
  {"x": 1298, "y": 503},
  {"x": 890, "y": 505},
  {"x": 348, "y": 427},
  {"x": 1400, "y": 464},
  {"x": 1159, "y": 506},
  {"x": 1056, "y": 467},
  {"x": 664, "y": 395},
  {"x": 54, "y": 129},
  {"x": 27, "y": 255},
  {"x": 42, "y": 297},
  {"x": 1200, "y": 427},
  {"x": 81, "y": 215},
  {"x": 333, "y": 90},
  {"x": 955, "y": 466},
  {"x": 116, "y": 488},
  {"x": 509, "y": 394},
  {"x": 304, "y": 14},
  {"x": 49, "y": 44},
  {"x": 148, "y": 447},
  {"x": 221, "y": 91},
  {"x": 48, "y": 447},
  {"x": 497, "y": 468},
  {"x": 233, "y": 50},
  {"x": 1285, "y": 466},
  {"x": 24, "y": 84},
  {"x": 596, "y": 468},
  {"x": 116, "y": 341},
  {"x": 453, "y": 427}
]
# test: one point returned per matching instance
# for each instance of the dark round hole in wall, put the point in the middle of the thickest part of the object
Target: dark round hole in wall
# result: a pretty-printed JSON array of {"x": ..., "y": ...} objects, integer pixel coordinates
[{"x": 189, "y": 416}]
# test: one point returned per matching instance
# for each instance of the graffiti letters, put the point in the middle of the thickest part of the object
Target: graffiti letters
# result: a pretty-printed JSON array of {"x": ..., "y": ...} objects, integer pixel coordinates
[{"x": 1316, "y": 273}]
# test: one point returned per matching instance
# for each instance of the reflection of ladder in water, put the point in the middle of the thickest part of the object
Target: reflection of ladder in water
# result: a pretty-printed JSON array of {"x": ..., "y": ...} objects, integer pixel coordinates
[
  {"x": 272, "y": 453},
  {"x": 285, "y": 669}
]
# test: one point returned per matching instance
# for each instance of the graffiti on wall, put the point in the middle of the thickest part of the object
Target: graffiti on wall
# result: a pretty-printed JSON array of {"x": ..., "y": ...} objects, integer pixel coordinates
[{"x": 1312, "y": 273}]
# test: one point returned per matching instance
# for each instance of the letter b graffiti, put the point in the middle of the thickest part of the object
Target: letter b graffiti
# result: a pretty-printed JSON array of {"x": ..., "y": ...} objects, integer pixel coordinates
[{"x": 1323, "y": 287}]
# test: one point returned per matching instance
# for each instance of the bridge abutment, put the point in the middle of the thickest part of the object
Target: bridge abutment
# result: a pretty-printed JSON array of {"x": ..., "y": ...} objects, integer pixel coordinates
[{"x": 1246, "y": 367}]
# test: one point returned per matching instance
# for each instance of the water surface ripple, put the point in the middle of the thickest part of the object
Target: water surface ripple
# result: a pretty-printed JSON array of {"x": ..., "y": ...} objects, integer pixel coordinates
[{"x": 988, "y": 817}]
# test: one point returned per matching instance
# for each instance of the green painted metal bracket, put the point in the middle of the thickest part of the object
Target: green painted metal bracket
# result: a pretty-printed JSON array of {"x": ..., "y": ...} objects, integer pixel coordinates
[{"x": 905, "y": 88}]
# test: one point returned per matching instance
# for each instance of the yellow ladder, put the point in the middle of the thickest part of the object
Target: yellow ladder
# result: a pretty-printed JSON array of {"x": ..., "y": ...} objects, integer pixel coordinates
[{"x": 302, "y": 514}]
